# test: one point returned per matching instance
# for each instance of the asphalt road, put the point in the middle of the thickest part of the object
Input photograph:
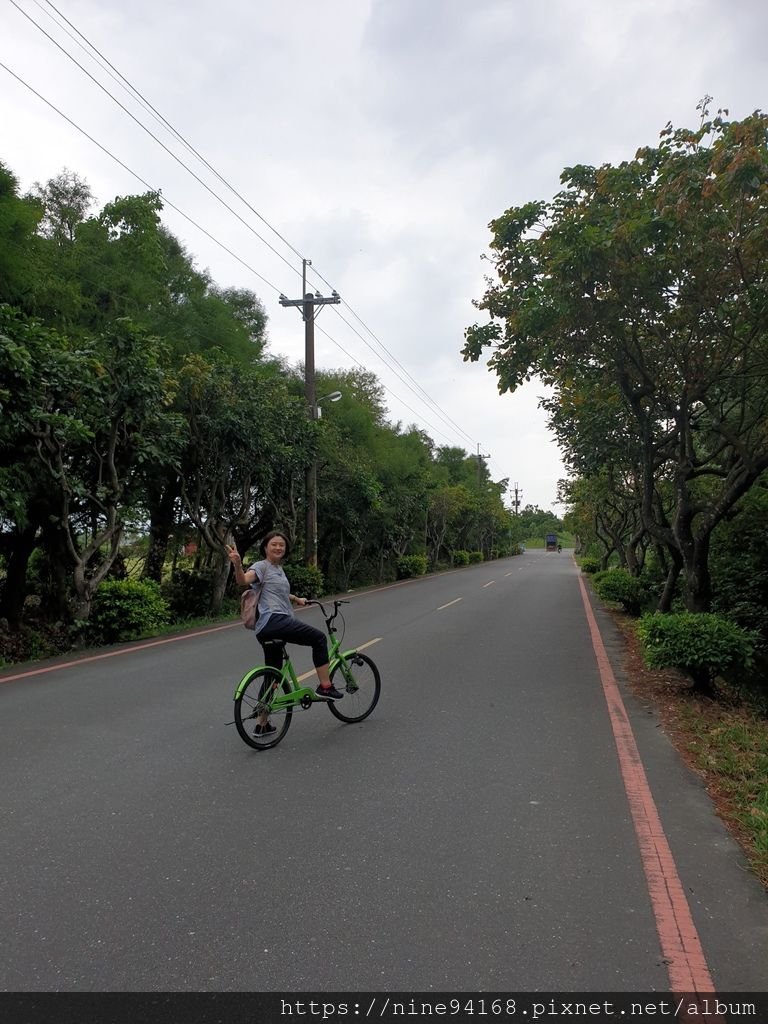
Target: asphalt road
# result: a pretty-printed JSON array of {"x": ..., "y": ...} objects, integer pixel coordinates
[{"x": 473, "y": 834}]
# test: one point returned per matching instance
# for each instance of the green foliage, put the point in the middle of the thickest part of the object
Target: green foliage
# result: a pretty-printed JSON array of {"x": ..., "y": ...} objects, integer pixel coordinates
[
  {"x": 475, "y": 557},
  {"x": 305, "y": 580},
  {"x": 188, "y": 593},
  {"x": 133, "y": 389},
  {"x": 461, "y": 558},
  {"x": 126, "y": 610},
  {"x": 537, "y": 522},
  {"x": 590, "y": 565},
  {"x": 637, "y": 294},
  {"x": 18, "y": 220},
  {"x": 739, "y": 560},
  {"x": 411, "y": 565},
  {"x": 618, "y": 586},
  {"x": 703, "y": 645}
]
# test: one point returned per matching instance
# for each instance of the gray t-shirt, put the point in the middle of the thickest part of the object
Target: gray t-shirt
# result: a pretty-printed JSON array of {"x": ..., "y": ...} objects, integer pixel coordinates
[{"x": 275, "y": 596}]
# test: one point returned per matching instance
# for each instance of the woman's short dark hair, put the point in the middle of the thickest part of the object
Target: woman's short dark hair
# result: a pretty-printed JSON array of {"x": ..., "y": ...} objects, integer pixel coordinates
[{"x": 268, "y": 538}]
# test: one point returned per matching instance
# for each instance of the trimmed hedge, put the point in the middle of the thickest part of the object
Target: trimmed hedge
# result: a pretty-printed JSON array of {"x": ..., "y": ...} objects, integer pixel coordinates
[
  {"x": 126, "y": 610},
  {"x": 306, "y": 580},
  {"x": 619, "y": 586},
  {"x": 460, "y": 557},
  {"x": 590, "y": 565},
  {"x": 411, "y": 565},
  {"x": 475, "y": 557},
  {"x": 701, "y": 644}
]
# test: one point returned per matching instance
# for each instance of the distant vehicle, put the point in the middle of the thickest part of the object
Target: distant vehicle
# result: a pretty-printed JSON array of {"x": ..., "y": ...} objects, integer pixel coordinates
[{"x": 550, "y": 542}]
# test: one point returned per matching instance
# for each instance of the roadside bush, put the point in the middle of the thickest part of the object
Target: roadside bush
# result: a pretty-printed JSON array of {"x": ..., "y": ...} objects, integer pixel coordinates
[
  {"x": 188, "y": 593},
  {"x": 618, "y": 586},
  {"x": 590, "y": 565},
  {"x": 126, "y": 610},
  {"x": 411, "y": 565},
  {"x": 461, "y": 557},
  {"x": 306, "y": 580},
  {"x": 701, "y": 644},
  {"x": 475, "y": 557}
]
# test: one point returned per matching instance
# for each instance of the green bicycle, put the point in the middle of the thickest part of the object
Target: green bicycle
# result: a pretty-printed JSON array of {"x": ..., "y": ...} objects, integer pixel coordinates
[{"x": 265, "y": 691}]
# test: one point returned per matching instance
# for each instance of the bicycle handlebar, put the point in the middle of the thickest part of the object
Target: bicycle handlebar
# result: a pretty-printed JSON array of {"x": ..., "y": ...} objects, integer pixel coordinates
[{"x": 336, "y": 604}]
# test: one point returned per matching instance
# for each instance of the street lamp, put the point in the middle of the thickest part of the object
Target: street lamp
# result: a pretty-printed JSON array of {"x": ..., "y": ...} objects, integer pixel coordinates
[{"x": 333, "y": 397}]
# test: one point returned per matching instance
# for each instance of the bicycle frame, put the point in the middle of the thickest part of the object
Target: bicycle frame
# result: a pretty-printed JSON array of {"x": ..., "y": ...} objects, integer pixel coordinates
[{"x": 281, "y": 701}]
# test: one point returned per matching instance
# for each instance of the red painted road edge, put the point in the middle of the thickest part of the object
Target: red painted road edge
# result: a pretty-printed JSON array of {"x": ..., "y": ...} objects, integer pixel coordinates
[
  {"x": 680, "y": 943},
  {"x": 112, "y": 654},
  {"x": 174, "y": 639}
]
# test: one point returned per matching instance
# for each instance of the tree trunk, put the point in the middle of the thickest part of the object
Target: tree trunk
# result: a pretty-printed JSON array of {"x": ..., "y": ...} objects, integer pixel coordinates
[
  {"x": 673, "y": 573},
  {"x": 162, "y": 522},
  {"x": 221, "y": 564},
  {"x": 698, "y": 581},
  {"x": 22, "y": 544},
  {"x": 56, "y": 600}
]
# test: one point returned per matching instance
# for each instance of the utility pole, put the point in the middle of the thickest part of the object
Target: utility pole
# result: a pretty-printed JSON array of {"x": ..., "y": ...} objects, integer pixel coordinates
[
  {"x": 518, "y": 498},
  {"x": 308, "y": 304},
  {"x": 479, "y": 466}
]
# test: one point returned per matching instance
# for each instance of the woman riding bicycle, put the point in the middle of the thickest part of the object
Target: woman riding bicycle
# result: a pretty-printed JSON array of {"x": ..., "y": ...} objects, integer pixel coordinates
[{"x": 276, "y": 620}]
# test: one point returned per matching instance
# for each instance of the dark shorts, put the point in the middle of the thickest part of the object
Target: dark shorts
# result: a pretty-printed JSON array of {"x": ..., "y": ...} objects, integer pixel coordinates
[{"x": 292, "y": 631}]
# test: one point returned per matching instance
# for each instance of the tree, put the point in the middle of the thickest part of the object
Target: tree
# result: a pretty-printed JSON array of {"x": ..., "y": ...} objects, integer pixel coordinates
[
  {"x": 242, "y": 425},
  {"x": 65, "y": 201},
  {"x": 18, "y": 222},
  {"x": 647, "y": 281}
]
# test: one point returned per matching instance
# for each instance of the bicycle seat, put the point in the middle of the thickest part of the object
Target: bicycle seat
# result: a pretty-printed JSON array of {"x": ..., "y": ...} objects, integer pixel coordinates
[{"x": 279, "y": 645}]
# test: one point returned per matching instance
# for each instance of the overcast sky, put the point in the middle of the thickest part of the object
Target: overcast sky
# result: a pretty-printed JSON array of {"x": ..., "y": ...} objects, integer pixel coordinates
[{"x": 379, "y": 137}]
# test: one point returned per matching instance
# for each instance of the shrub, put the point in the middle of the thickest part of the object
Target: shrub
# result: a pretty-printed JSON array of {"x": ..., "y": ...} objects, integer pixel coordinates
[
  {"x": 475, "y": 557},
  {"x": 411, "y": 565},
  {"x": 701, "y": 644},
  {"x": 305, "y": 580},
  {"x": 590, "y": 565},
  {"x": 126, "y": 610},
  {"x": 461, "y": 557},
  {"x": 617, "y": 585},
  {"x": 188, "y": 593}
]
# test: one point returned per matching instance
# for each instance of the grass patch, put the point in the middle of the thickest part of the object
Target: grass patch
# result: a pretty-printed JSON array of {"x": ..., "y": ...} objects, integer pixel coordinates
[{"x": 730, "y": 747}]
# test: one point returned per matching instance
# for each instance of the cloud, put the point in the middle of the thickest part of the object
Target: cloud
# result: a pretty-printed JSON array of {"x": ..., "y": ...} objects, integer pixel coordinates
[{"x": 380, "y": 137}]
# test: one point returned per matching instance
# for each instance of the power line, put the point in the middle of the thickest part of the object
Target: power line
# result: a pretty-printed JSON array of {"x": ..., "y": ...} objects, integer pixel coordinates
[
  {"x": 420, "y": 392},
  {"x": 388, "y": 390},
  {"x": 151, "y": 134},
  {"x": 161, "y": 119},
  {"x": 208, "y": 234},
  {"x": 397, "y": 374},
  {"x": 166, "y": 201},
  {"x": 418, "y": 388}
]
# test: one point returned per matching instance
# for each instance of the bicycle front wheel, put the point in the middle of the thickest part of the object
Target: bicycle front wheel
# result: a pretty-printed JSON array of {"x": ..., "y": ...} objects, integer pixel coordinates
[
  {"x": 360, "y": 682},
  {"x": 259, "y": 726}
]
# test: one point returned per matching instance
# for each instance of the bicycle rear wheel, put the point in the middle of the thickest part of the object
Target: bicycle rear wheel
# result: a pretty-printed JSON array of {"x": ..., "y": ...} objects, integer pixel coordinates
[
  {"x": 254, "y": 701},
  {"x": 360, "y": 682}
]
